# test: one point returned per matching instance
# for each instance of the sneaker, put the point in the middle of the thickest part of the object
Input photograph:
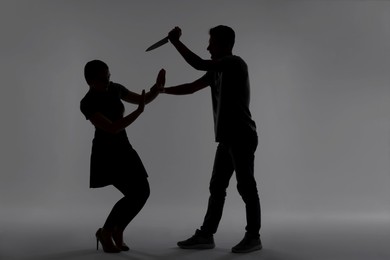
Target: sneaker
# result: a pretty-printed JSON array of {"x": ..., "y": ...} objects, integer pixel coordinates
[
  {"x": 197, "y": 241},
  {"x": 247, "y": 244}
]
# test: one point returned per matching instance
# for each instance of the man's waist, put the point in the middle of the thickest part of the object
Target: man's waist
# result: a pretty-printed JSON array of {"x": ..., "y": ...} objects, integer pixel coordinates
[{"x": 230, "y": 134}]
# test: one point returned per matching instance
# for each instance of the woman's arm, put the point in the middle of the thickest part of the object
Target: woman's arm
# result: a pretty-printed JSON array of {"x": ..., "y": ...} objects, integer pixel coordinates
[
  {"x": 135, "y": 98},
  {"x": 102, "y": 122}
]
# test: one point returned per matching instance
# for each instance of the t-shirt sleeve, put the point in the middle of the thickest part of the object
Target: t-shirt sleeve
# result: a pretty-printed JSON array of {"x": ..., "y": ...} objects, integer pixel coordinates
[{"x": 87, "y": 107}]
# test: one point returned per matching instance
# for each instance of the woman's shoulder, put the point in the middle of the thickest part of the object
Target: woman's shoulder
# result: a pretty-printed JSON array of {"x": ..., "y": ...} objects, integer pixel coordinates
[
  {"x": 91, "y": 99},
  {"x": 88, "y": 97}
]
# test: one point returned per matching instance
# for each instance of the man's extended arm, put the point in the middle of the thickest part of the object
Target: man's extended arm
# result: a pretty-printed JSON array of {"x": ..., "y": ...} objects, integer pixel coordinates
[{"x": 188, "y": 88}]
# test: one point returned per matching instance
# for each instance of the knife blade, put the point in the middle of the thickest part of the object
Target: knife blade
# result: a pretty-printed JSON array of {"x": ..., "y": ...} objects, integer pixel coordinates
[{"x": 158, "y": 44}]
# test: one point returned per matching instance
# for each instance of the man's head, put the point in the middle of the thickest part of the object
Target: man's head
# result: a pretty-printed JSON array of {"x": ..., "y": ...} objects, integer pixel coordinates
[
  {"x": 221, "y": 41},
  {"x": 97, "y": 74}
]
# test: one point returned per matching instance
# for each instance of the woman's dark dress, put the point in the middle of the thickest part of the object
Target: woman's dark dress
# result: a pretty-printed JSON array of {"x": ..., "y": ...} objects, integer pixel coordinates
[{"x": 113, "y": 159}]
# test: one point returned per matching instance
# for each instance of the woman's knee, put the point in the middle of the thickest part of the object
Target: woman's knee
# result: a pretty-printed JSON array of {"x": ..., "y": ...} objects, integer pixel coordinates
[{"x": 139, "y": 189}]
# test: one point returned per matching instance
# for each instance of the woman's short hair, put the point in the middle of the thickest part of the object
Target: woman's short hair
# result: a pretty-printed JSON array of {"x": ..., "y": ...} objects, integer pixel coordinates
[{"x": 93, "y": 68}]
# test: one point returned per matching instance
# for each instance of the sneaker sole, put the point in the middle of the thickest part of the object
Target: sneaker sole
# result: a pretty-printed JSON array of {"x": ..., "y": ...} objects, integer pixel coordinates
[
  {"x": 199, "y": 246},
  {"x": 237, "y": 251}
]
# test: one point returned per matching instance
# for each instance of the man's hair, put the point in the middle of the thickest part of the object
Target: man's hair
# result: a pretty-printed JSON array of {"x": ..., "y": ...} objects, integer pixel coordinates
[
  {"x": 93, "y": 68},
  {"x": 224, "y": 35}
]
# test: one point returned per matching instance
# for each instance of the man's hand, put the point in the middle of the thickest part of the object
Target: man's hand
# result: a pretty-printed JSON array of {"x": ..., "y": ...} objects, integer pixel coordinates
[{"x": 174, "y": 35}]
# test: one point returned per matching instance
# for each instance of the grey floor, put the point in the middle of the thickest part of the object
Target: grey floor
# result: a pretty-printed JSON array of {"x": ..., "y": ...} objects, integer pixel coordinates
[{"x": 42, "y": 234}]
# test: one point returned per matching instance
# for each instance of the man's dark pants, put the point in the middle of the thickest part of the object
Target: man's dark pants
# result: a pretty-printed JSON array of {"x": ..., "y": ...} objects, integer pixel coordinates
[{"x": 239, "y": 157}]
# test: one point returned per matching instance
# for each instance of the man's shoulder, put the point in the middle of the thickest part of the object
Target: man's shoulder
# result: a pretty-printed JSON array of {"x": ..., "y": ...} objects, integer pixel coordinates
[
  {"x": 235, "y": 63},
  {"x": 240, "y": 60},
  {"x": 233, "y": 60}
]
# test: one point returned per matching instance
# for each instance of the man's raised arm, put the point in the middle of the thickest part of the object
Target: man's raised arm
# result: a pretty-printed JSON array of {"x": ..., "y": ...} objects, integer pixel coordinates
[{"x": 191, "y": 58}]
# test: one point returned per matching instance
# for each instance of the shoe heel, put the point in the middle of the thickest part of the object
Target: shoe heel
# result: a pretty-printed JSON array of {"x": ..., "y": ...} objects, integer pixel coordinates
[{"x": 106, "y": 241}]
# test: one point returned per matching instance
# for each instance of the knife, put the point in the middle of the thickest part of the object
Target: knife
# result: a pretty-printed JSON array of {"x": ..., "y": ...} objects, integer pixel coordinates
[{"x": 158, "y": 44}]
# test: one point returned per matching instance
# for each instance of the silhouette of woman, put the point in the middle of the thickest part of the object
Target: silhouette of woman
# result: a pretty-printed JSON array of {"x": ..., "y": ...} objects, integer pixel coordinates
[{"x": 113, "y": 159}]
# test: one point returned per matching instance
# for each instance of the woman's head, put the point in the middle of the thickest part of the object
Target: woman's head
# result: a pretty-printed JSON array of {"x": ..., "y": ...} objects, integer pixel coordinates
[{"x": 97, "y": 74}]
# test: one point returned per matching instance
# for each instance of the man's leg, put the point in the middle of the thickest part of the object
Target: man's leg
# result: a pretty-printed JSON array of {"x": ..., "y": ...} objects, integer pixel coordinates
[
  {"x": 243, "y": 160},
  {"x": 222, "y": 172}
]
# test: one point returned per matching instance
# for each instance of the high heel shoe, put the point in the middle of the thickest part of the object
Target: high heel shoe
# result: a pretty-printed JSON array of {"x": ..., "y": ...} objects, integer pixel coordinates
[
  {"x": 105, "y": 238},
  {"x": 117, "y": 236}
]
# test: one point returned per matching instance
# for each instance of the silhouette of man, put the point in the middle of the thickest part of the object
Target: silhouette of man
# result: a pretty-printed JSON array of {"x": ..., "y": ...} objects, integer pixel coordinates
[{"x": 235, "y": 132}]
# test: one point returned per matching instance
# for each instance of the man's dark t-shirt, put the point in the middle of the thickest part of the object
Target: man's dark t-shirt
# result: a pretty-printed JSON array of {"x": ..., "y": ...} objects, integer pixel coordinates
[{"x": 230, "y": 93}]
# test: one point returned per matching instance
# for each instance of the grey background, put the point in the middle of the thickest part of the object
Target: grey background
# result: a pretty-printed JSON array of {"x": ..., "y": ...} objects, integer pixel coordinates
[{"x": 320, "y": 82}]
